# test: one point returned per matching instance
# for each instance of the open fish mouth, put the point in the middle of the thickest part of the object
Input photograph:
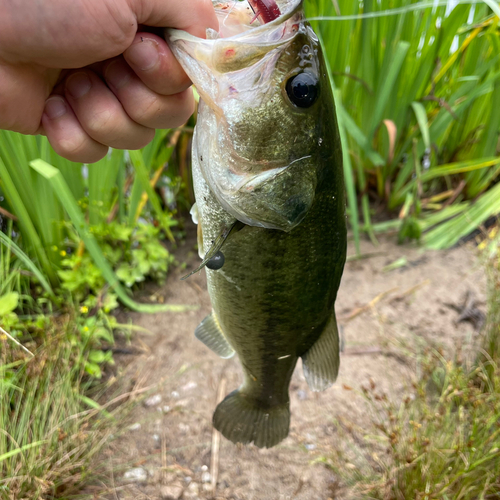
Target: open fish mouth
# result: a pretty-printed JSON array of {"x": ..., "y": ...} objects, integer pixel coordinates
[
  {"x": 237, "y": 18},
  {"x": 260, "y": 174},
  {"x": 241, "y": 40}
]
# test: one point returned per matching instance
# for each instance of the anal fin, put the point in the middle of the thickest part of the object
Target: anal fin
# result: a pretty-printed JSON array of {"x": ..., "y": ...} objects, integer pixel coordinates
[
  {"x": 210, "y": 333},
  {"x": 321, "y": 362}
]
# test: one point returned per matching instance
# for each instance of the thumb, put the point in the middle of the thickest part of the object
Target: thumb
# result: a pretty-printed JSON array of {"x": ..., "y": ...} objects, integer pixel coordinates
[{"x": 194, "y": 16}]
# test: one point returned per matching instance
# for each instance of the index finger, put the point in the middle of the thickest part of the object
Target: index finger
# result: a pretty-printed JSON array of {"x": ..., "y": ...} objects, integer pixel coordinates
[{"x": 194, "y": 16}]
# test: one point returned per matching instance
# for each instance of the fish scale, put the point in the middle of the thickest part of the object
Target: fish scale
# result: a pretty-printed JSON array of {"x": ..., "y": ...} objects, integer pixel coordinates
[{"x": 268, "y": 183}]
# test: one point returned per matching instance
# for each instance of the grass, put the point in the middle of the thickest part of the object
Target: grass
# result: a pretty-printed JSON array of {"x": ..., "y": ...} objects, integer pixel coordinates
[
  {"x": 49, "y": 438},
  {"x": 51, "y": 431},
  {"x": 74, "y": 239}
]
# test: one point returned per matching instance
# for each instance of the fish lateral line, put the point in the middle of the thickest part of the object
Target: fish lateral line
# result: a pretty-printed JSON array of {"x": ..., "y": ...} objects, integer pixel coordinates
[{"x": 216, "y": 246}]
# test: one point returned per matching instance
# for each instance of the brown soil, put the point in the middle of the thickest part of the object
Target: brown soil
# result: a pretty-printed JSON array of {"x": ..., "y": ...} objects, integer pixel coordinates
[{"x": 387, "y": 317}]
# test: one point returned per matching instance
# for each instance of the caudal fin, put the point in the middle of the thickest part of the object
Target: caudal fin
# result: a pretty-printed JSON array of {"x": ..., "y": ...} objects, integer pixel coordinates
[{"x": 240, "y": 419}]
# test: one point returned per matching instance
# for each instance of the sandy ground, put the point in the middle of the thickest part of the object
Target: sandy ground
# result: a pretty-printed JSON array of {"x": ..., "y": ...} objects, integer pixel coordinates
[{"x": 387, "y": 316}]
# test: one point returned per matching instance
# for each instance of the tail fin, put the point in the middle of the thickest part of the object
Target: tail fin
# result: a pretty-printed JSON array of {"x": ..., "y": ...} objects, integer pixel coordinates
[{"x": 240, "y": 419}]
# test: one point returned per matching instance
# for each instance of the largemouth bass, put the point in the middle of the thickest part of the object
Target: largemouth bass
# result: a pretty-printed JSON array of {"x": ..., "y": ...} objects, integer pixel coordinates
[{"x": 267, "y": 173}]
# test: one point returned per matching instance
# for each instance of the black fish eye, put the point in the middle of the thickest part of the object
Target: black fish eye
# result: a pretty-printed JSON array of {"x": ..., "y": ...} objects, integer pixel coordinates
[{"x": 303, "y": 89}]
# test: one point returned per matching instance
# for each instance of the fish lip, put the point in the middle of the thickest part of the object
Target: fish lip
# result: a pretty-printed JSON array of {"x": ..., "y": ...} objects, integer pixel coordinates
[{"x": 174, "y": 34}]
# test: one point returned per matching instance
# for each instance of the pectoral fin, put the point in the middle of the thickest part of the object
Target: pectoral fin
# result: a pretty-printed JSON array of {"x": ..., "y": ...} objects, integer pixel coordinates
[
  {"x": 321, "y": 362},
  {"x": 210, "y": 333}
]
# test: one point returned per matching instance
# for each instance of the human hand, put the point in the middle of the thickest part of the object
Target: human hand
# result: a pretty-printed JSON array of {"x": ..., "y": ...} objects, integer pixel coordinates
[{"x": 87, "y": 76}]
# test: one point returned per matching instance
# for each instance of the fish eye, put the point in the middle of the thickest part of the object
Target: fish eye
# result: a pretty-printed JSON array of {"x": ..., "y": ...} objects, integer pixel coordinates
[
  {"x": 216, "y": 262},
  {"x": 303, "y": 89}
]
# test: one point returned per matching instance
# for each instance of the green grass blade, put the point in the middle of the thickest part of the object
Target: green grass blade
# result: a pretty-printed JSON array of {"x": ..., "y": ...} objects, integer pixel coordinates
[
  {"x": 387, "y": 87},
  {"x": 5, "y": 240},
  {"x": 32, "y": 239},
  {"x": 102, "y": 185},
  {"x": 493, "y": 6},
  {"x": 460, "y": 167},
  {"x": 355, "y": 132},
  {"x": 449, "y": 234},
  {"x": 15, "y": 452},
  {"x": 421, "y": 116},
  {"x": 95, "y": 405},
  {"x": 139, "y": 164}
]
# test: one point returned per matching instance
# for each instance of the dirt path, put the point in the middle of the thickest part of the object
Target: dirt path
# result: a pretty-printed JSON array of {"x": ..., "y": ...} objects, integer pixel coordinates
[{"x": 386, "y": 317}]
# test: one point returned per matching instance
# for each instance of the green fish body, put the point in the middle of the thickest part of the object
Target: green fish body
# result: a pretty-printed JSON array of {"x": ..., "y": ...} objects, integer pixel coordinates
[{"x": 268, "y": 177}]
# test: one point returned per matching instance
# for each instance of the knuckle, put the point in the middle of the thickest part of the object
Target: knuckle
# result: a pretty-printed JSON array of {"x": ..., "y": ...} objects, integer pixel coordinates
[
  {"x": 142, "y": 140},
  {"x": 78, "y": 148},
  {"x": 71, "y": 147},
  {"x": 147, "y": 110},
  {"x": 103, "y": 125}
]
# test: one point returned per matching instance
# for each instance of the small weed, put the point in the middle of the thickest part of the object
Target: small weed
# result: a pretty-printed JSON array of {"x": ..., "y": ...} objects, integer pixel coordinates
[
  {"x": 443, "y": 440},
  {"x": 440, "y": 443}
]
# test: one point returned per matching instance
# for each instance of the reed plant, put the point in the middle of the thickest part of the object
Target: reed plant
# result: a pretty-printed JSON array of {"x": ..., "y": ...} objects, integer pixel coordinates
[{"x": 418, "y": 93}]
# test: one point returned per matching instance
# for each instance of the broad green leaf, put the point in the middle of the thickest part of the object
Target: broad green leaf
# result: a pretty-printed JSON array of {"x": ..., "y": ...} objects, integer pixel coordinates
[
  {"x": 96, "y": 356},
  {"x": 8, "y": 303}
]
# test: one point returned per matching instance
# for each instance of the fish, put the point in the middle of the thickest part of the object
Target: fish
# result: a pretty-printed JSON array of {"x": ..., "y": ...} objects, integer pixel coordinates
[{"x": 270, "y": 207}]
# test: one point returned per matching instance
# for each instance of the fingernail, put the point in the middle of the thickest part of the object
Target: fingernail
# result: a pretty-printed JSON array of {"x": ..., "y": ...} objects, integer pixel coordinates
[
  {"x": 143, "y": 55},
  {"x": 55, "y": 107},
  {"x": 78, "y": 85},
  {"x": 117, "y": 73}
]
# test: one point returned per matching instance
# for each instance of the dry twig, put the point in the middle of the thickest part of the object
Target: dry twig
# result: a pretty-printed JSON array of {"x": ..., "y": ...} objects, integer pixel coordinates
[
  {"x": 7, "y": 214},
  {"x": 214, "y": 457},
  {"x": 8, "y": 335},
  {"x": 366, "y": 307}
]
